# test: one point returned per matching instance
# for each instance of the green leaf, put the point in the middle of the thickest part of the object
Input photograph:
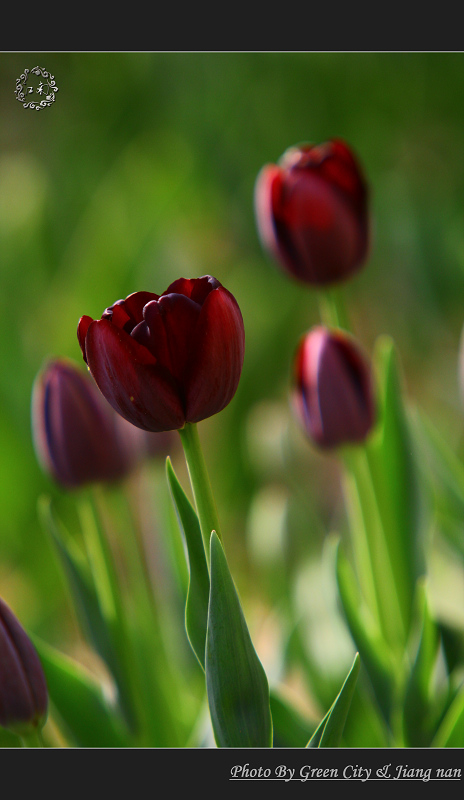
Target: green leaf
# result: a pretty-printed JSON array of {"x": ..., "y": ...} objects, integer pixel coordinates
[
  {"x": 80, "y": 702},
  {"x": 366, "y": 636},
  {"x": 196, "y": 606},
  {"x": 86, "y": 600},
  {"x": 317, "y": 735},
  {"x": 448, "y": 480},
  {"x": 330, "y": 730},
  {"x": 83, "y": 593},
  {"x": 394, "y": 471},
  {"x": 237, "y": 686},
  {"x": 418, "y": 707},
  {"x": 365, "y": 725},
  {"x": 8, "y": 739},
  {"x": 291, "y": 729},
  {"x": 451, "y": 731}
]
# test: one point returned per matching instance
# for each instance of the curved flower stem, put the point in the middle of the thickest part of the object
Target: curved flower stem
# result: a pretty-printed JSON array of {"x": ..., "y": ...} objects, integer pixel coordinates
[{"x": 201, "y": 486}]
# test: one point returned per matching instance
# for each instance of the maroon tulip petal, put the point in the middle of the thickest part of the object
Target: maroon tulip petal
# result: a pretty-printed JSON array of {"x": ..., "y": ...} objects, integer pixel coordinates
[
  {"x": 316, "y": 228},
  {"x": 134, "y": 384},
  {"x": 216, "y": 358},
  {"x": 196, "y": 288},
  {"x": 305, "y": 399},
  {"x": 333, "y": 397},
  {"x": 267, "y": 200},
  {"x": 119, "y": 315},
  {"x": 135, "y": 303},
  {"x": 342, "y": 395},
  {"x": 16, "y": 699},
  {"x": 75, "y": 429},
  {"x": 172, "y": 321},
  {"x": 311, "y": 212},
  {"x": 82, "y": 329},
  {"x": 23, "y": 689}
]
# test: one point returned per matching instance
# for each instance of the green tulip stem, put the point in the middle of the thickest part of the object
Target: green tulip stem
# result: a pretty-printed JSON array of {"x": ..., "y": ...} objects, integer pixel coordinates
[
  {"x": 33, "y": 739},
  {"x": 201, "y": 486},
  {"x": 332, "y": 308},
  {"x": 147, "y": 701}
]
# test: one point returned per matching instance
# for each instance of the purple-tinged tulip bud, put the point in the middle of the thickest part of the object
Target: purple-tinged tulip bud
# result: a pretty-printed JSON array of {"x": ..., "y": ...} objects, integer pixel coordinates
[
  {"x": 333, "y": 395},
  {"x": 164, "y": 360},
  {"x": 77, "y": 436},
  {"x": 311, "y": 212},
  {"x": 23, "y": 690}
]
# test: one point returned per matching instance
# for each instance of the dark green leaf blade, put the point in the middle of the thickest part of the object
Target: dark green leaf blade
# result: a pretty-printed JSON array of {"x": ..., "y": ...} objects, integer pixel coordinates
[
  {"x": 237, "y": 686},
  {"x": 196, "y": 605},
  {"x": 330, "y": 730},
  {"x": 394, "y": 469},
  {"x": 291, "y": 729}
]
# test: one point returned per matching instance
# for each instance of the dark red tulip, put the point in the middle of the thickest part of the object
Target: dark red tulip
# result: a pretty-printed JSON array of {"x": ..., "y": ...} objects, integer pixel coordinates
[
  {"x": 333, "y": 394},
  {"x": 77, "y": 436},
  {"x": 23, "y": 690},
  {"x": 311, "y": 212},
  {"x": 164, "y": 360}
]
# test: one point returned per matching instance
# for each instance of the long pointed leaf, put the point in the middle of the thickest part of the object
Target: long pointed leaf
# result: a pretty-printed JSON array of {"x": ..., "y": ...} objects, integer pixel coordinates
[
  {"x": 392, "y": 462},
  {"x": 451, "y": 731},
  {"x": 418, "y": 707},
  {"x": 85, "y": 600},
  {"x": 196, "y": 606},
  {"x": 237, "y": 686},
  {"x": 330, "y": 730}
]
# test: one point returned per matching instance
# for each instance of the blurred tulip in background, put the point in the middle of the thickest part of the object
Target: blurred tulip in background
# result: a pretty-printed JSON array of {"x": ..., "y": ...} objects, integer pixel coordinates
[
  {"x": 333, "y": 394},
  {"x": 312, "y": 212}
]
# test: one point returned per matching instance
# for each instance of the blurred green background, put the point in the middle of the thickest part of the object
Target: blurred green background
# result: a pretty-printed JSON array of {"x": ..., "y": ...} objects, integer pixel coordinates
[{"x": 142, "y": 171}]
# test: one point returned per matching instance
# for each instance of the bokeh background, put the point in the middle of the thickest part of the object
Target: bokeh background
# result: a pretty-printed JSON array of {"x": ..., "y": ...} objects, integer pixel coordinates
[{"x": 143, "y": 171}]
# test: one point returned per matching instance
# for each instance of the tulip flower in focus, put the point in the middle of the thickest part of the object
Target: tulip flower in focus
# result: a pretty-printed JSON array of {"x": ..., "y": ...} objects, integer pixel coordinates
[
  {"x": 77, "y": 436},
  {"x": 311, "y": 212},
  {"x": 163, "y": 361},
  {"x": 333, "y": 395},
  {"x": 23, "y": 690}
]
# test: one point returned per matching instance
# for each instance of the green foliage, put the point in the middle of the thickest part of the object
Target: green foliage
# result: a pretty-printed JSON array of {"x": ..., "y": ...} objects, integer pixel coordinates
[
  {"x": 290, "y": 728},
  {"x": 80, "y": 702},
  {"x": 238, "y": 691},
  {"x": 161, "y": 184},
  {"x": 196, "y": 606},
  {"x": 329, "y": 731}
]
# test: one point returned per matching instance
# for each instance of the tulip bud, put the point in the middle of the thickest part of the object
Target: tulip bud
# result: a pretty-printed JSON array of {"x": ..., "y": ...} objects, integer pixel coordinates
[
  {"x": 23, "y": 690},
  {"x": 77, "y": 436},
  {"x": 333, "y": 396},
  {"x": 162, "y": 361},
  {"x": 311, "y": 212}
]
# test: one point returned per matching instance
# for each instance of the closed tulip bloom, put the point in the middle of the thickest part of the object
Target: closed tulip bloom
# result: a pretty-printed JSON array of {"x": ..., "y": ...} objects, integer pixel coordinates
[
  {"x": 23, "y": 689},
  {"x": 77, "y": 436},
  {"x": 311, "y": 212},
  {"x": 164, "y": 360},
  {"x": 333, "y": 395}
]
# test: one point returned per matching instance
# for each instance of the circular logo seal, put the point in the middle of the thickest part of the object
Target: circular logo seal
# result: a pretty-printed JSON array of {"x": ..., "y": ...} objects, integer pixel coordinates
[{"x": 47, "y": 88}]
